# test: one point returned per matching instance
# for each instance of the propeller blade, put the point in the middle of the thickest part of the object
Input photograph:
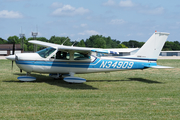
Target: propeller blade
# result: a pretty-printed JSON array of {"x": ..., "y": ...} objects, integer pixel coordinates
[
  {"x": 13, "y": 52},
  {"x": 12, "y": 65},
  {"x": 13, "y": 48}
]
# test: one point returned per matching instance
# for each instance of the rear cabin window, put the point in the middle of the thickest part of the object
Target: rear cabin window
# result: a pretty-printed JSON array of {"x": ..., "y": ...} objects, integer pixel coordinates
[
  {"x": 66, "y": 56},
  {"x": 46, "y": 52},
  {"x": 81, "y": 56}
]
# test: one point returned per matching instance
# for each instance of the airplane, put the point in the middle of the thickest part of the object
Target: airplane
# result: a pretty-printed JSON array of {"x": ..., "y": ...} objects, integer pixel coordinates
[{"x": 60, "y": 61}]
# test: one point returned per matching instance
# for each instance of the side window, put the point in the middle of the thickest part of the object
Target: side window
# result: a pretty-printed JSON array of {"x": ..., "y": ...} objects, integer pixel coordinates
[
  {"x": 81, "y": 56},
  {"x": 62, "y": 55}
]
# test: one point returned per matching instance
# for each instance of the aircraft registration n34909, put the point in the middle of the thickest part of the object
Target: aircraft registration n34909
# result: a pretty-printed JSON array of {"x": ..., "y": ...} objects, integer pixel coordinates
[{"x": 60, "y": 61}]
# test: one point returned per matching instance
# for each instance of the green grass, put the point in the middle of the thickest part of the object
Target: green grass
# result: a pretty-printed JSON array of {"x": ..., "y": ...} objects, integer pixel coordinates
[{"x": 139, "y": 94}]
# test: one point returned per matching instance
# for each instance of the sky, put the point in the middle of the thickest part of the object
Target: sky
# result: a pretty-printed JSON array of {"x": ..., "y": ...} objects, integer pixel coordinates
[{"x": 122, "y": 20}]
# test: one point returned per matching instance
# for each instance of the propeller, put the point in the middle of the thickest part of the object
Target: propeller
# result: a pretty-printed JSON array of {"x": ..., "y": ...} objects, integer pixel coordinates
[{"x": 13, "y": 50}]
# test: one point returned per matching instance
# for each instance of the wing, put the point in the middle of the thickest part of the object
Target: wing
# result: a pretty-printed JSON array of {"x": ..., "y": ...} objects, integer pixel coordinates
[
  {"x": 61, "y": 47},
  {"x": 81, "y": 49}
]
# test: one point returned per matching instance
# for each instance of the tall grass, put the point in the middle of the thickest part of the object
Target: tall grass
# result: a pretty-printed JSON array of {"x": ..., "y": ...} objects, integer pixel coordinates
[{"x": 138, "y": 94}]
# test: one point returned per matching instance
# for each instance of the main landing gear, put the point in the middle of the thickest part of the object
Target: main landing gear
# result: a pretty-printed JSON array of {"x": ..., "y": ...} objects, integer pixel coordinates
[{"x": 68, "y": 78}]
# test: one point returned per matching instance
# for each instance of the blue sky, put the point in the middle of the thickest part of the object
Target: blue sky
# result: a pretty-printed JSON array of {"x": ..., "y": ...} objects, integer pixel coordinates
[{"x": 79, "y": 19}]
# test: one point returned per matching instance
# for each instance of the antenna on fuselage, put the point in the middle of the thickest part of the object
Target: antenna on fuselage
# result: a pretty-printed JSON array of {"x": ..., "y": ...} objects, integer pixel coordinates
[
  {"x": 65, "y": 40},
  {"x": 73, "y": 43}
]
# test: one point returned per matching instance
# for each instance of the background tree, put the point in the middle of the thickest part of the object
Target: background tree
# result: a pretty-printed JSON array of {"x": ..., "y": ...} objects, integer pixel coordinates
[
  {"x": 101, "y": 42},
  {"x": 169, "y": 45},
  {"x": 2, "y": 41},
  {"x": 90, "y": 42},
  {"x": 30, "y": 46},
  {"x": 115, "y": 43},
  {"x": 176, "y": 45},
  {"x": 126, "y": 43},
  {"x": 133, "y": 44},
  {"x": 122, "y": 46},
  {"x": 60, "y": 40},
  {"x": 108, "y": 41},
  {"x": 95, "y": 41},
  {"x": 81, "y": 44},
  {"x": 25, "y": 43},
  {"x": 12, "y": 39}
]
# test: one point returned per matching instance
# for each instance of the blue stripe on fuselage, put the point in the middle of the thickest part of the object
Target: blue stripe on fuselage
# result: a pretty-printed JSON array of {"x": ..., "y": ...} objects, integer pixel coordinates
[{"x": 98, "y": 63}]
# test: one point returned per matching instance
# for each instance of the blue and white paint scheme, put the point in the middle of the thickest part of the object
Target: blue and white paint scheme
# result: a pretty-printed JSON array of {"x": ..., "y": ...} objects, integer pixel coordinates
[{"x": 65, "y": 61}]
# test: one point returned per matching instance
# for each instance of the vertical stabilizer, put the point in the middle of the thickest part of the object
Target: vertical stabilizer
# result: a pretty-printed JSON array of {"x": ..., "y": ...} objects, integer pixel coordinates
[{"x": 153, "y": 47}]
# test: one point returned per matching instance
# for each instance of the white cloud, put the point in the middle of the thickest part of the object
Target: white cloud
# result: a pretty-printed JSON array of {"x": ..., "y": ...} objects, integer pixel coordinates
[
  {"x": 145, "y": 9},
  {"x": 128, "y": 34},
  {"x": 117, "y": 22},
  {"x": 109, "y": 3},
  {"x": 135, "y": 7},
  {"x": 56, "y": 5},
  {"x": 68, "y": 10},
  {"x": 122, "y": 3},
  {"x": 10, "y": 14},
  {"x": 63, "y": 34},
  {"x": 178, "y": 23},
  {"x": 126, "y": 3},
  {"x": 83, "y": 25},
  {"x": 155, "y": 11},
  {"x": 80, "y": 26},
  {"x": 140, "y": 34},
  {"x": 89, "y": 32}
]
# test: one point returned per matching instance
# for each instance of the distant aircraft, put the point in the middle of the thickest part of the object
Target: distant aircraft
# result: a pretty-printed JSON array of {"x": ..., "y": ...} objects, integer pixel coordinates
[{"x": 60, "y": 61}]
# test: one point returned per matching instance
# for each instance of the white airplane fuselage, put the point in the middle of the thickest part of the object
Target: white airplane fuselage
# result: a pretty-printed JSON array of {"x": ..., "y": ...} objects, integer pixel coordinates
[{"x": 35, "y": 63}]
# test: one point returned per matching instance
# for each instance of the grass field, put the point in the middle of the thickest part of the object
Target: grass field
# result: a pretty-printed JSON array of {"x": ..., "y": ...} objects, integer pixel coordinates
[{"x": 139, "y": 94}]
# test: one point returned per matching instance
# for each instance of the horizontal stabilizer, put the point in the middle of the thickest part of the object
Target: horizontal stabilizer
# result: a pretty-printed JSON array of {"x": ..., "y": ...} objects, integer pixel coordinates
[{"x": 159, "y": 67}]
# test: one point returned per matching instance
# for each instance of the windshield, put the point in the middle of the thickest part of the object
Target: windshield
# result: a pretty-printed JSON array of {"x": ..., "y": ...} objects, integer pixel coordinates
[{"x": 46, "y": 52}]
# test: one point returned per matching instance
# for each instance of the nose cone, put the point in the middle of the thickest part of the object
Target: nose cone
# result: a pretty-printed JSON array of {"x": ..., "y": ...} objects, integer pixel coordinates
[{"x": 11, "y": 57}]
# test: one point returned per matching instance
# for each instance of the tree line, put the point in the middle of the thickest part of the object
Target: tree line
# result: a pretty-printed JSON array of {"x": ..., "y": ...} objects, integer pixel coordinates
[{"x": 95, "y": 41}]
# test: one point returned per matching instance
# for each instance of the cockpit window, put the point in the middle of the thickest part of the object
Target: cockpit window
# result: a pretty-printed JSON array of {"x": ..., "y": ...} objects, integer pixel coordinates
[{"x": 46, "y": 52}]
